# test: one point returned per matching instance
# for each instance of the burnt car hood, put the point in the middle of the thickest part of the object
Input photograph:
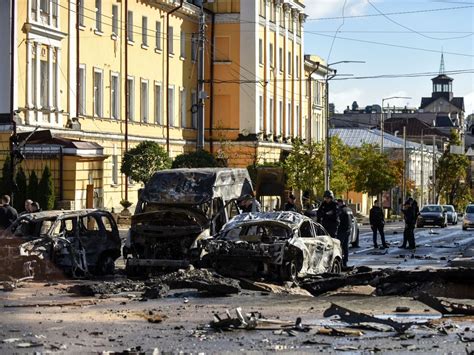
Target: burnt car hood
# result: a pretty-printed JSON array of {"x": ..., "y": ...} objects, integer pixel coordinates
[{"x": 156, "y": 223}]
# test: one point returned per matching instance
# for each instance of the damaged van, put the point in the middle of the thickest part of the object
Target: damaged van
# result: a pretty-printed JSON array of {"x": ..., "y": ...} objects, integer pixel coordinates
[
  {"x": 277, "y": 245},
  {"x": 50, "y": 243},
  {"x": 176, "y": 209}
]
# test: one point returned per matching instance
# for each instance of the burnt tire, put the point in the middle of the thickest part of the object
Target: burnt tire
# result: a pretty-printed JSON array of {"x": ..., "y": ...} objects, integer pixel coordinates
[
  {"x": 289, "y": 270},
  {"x": 336, "y": 267},
  {"x": 105, "y": 265}
]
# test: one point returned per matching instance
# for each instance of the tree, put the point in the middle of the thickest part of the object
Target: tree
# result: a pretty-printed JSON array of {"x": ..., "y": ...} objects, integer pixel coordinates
[
  {"x": 342, "y": 170},
  {"x": 373, "y": 171},
  {"x": 6, "y": 183},
  {"x": 197, "y": 159},
  {"x": 21, "y": 190},
  {"x": 304, "y": 167},
  {"x": 451, "y": 174},
  {"x": 141, "y": 162},
  {"x": 47, "y": 197},
  {"x": 32, "y": 191}
]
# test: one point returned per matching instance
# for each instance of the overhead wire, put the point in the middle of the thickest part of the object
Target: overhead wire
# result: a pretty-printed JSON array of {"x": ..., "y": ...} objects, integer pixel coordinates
[{"x": 335, "y": 33}]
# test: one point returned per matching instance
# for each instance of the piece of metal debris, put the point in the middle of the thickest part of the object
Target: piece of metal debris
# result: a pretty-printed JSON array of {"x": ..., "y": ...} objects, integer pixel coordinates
[
  {"x": 444, "y": 306},
  {"x": 402, "y": 309},
  {"x": 352, "y": 317},
  {"x": 340, "y": 332}
]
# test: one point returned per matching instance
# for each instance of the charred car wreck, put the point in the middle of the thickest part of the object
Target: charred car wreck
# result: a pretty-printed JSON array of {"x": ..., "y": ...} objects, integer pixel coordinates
[
  {"x": 178, "y": 208},
  {"x": 283, "y": 245},
  {"x": 54, "y": 243}
]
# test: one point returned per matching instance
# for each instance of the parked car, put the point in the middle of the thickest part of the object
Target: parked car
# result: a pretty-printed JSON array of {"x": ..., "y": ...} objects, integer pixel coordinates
[
  {"x": 72, "y": 242},
  {"x": 354, "y": 238},
  {"x": 176, "y": 209},
  {"x": 282, "y": 245},
  {"x": 451, "y": 214},
  {"x": 468, "y": 219},
  {"x": 433, "y": 215}
]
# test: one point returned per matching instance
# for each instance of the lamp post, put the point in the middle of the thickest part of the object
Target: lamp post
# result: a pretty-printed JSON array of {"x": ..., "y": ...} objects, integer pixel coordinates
[
  {"x": 382, "y": 117},
  {"x": 327, "y": 147}
]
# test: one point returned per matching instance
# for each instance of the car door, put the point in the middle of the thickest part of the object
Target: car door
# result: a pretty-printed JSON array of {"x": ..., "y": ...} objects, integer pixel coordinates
[
  {"x": 93, "y": 236},
  {"x": 326, "y": 248},
  {"x": 312, "y": 248}
]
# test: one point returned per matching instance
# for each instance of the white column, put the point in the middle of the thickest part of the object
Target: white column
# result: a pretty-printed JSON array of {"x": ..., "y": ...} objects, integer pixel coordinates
[
  {"x": 50, "y": 14},
  {"x": 29, "y": 81},
  {"x": 50, "y": 80},
  {"x": 38, "y": 80},
  {"x": 58, "y": 90}
]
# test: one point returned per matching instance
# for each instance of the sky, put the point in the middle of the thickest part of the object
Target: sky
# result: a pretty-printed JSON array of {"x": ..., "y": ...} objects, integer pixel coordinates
[{"x": 409, "y": 42}]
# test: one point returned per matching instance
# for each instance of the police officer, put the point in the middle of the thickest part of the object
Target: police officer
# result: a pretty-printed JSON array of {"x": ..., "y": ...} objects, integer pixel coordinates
[
  {"x": 328, "y": 215},
  {"x": 377, "y": 223},
  {"x": 344, "y": 230},
  {"x": 410, "y": 215}
]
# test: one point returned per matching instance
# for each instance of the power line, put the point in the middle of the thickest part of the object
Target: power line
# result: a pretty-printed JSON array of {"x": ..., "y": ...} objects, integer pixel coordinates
[{"x": 335, "y": 33}]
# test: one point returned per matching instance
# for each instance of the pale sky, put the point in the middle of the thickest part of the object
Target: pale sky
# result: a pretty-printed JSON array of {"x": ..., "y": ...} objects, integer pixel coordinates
[{"x": 427, "y": 27}]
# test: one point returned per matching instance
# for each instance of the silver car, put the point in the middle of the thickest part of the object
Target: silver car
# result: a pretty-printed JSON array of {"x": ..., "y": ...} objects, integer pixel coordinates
[
  {"x": 451, "y": 214},
  {"x": 468, "y": 220}
]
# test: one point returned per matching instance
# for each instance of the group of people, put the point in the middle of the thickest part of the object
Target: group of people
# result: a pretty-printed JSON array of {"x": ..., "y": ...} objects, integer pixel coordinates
[{"x": 8, "y": 214}]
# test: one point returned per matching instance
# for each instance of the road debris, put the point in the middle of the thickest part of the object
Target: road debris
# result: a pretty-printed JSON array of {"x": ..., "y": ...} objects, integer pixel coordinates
[
  {"x": 445, "y": 306},
  {"x": 352, "y": 317},
  {"x": 340, "y": 332}
]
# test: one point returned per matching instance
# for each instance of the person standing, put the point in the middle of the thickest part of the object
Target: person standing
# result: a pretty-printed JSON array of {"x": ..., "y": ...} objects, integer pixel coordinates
[
  {"x": 409, "y": 214},
  {"x": 7, "y": 213},
  {"x": 28, "y": 203},
  {"x": 248, "y": 203},
  {"x": 327, "y": 214},
  {"x": 290, "y": 204},
  {"x": 344, "y": 230},
  {"x": 377, "y": 223}
]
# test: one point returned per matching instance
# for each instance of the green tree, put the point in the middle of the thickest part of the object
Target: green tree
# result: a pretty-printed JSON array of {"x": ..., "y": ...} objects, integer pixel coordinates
[
  {"x": 21, "y": 190},
  {"x": 32, "y": 191},
  {"x": 304, "y": 167},
  {"x": 197, "y": 159},
  {"x": 47, "y": 197},
  {"x": 451, "y": 174},
  {"x": 342, "y": 170},
  {"x": 6, "y": 183},
  {"x": 141, "y": 162},
  {"x": 373, "y": 171}
]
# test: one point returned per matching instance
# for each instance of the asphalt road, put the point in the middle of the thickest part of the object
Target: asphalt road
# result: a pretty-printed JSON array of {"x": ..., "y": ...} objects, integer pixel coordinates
[{"x": 435, "y": 247}]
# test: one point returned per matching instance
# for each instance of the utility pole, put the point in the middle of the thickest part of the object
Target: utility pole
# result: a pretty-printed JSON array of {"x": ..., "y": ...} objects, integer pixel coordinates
[
  {"x": 327, "y": 146},
  {"x": 434, "y": 169},
  {"x": 422, "y": 171},
  {"x": 201, "y": 93},
  {"x": 404, "y": 179}
]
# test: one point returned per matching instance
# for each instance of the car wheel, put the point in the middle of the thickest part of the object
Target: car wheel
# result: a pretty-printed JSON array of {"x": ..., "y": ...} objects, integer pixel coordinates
[
  {"x": 355, "y": 244},
  {"x": 105, "y": 265},
  {"x": 336, "y": 266},
  {"x": 289, "y": 270}
]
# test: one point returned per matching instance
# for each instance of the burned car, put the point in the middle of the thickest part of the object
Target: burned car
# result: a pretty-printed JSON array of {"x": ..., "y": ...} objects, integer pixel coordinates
[
  {"x": 283, "y": 245},
  {"x": 75, "y": 243},
  {"x": 176, "y": 209}
]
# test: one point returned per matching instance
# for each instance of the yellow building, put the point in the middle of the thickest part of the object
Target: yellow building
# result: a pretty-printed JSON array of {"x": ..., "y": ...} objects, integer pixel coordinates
[
  {"x": 93, "y": 78},
  {"x": 79, "y": 68}
]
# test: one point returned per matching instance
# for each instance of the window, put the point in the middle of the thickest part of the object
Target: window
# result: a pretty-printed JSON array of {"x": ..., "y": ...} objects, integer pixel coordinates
[
  {"x": 44, "y": 6},
  {"x": 260, "y": 51},
  {"x": 170, "y": 40},
  {"x": 81, "y": 12},
  {"x": 98, "y": 93},
  {"x": 131, "y": 98},
  {"x": 280, "y": 118},
  {"x": 144, "y": 101},
  {"x": 272, "y": 11},
  {"x": 297, "y": 121},
  {"x": 144, "y": 31},
  {"x": 158, "y": 35},
  {"x": 82, "y": 90},
  {"x": 289, "y": 63},
  {"x": 55, "y": 13},
  {"x": 171, "y": 105},
  {"x": 270, "y": 54},
  {"x": 183, "y": 45},
  {"x": 288, "y": 121},
  {"x": 260, "y": 112},
  {"x": 44, "y": 83},
  {"x": 130, "y": 26},
  {"x": 114, "y": 169},
  {"x": 194, "y": 109},
  {"x": 114, "y": 96},
  {"x": 115, "y": 29},
  {"x": 297, "y": 67},
  {"x": 158, "y": 118},
  {"x": 271, "y": 111},
  {"x": 98, "y": 15},
  {"x": 184, "y": 112},
  {"x": 280, "y": 58},
  {"x": 261, "y": 8},
  {"x": 194, "y": 47},
  {"x": 282, "y": 17},
  {"x": 222, "y": 49}
]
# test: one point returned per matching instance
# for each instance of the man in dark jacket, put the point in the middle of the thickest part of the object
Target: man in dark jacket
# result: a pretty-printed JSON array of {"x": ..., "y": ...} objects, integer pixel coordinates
[
  {"x": 327, "y": 214},
  {"x": 290, "y": 204},
  {"x": 7, "y": 213},
  {"x": 409, "y": 214},
  {"x": 377, "y": 223},
  {"x": 344, "y": 230}
]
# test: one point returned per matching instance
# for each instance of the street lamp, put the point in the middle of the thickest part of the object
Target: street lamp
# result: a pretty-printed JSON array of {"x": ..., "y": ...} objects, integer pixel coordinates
[
  {"x": 382, "y": 118},
  {"x": 327, "y": 148}
]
